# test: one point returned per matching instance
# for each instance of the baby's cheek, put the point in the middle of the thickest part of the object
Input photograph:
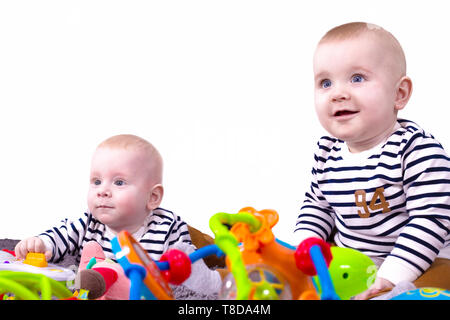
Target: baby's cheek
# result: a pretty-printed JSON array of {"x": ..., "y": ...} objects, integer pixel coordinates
[
  {"x": 125, "y": 204},
  {"x": 90, "y": 201},
  {"x": 129, "y": 205}
]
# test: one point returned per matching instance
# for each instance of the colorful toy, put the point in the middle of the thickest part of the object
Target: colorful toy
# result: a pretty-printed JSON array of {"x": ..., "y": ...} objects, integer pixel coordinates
[
  {"x": 36, "y": 259},
  {"x": 263, "y": 268},
  {"x": 35, "y": 263},
  {"x": 149, "y": 279},
  {"x": 261, "y": 252},
  {"x": 351, "y": 271},
  {"x": 424, "y": 294},
  {"x": 102, "y": 278},
  {"x": 31, "y": 286}
]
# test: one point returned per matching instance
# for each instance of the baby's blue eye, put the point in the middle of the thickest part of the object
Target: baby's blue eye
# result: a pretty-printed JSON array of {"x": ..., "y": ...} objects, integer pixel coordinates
[
  {"x": 357, "y": 78},
  {"x": 325, "y": 83},
  {"x": 119, "y": 183},
  {"x": 97, "y": 182}
]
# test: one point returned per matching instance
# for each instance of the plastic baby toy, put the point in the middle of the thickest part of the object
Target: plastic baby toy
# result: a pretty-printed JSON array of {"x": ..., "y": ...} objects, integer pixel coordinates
[
  {"x": 150, "y": 279},
  {"x": 31, "y": 286},
  {"x": 102, "y": 278},
  {"x": 264, "y": 268},
  {"x": 34, "y": 263},
  {"x": 351, "y": 271}
]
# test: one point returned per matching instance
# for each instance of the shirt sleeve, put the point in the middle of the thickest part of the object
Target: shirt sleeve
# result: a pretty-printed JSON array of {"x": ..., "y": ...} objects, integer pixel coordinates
[
  {"x": 65, "y": 238},
  {"x": 178, "y": 232},
  {"x": 426, "y": 176},
  {"x": 316, "y": 215}
]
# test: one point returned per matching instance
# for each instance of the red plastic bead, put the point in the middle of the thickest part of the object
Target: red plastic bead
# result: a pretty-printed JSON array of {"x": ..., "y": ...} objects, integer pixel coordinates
[
  {"x": 179, "y": 266},
  {"x": 303, "y": 260}
]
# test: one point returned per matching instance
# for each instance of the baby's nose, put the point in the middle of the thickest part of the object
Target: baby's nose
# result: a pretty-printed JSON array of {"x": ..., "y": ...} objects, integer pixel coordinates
[
  {"x": 104, "y": 193},
  {"x": 340, "y": 94}
]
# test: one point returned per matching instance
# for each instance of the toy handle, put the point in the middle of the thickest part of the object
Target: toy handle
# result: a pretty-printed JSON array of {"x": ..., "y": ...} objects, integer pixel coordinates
[
  {"x": 136, "y": 274},
  {"x": 328, "y": 291},
  {"x": 303, "y": 259},
  {"x": 228, "y": 244},
  {"x": 205, "y": 251},
  {"x": 175, "y": 265},
  {"x": 313, "y": 256}
]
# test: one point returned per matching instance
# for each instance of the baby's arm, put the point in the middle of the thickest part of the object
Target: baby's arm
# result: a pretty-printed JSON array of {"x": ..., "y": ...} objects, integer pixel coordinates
[
  {"x": 67, "y": 237},
  {"x": 426, "y": 182},
  {"x": 57, "y": 241},
  {"x": 316, "y": 215}
]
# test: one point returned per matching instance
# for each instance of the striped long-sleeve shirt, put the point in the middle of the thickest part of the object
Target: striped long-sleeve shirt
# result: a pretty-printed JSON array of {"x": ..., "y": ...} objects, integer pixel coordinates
[
  {"x": 391, "y": 202},
  {"x": 161, "y": 230}
]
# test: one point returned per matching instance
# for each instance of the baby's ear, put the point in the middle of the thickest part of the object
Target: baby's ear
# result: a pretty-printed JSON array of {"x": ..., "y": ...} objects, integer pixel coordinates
[
  {"x": 155, "y": 197},
  {"x": 404, "y": 90}
]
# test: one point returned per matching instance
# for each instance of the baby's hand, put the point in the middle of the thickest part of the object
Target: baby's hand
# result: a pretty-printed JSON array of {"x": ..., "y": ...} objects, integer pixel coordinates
[
  {"x": 378, "y": 287},
  {"x": 33, "y": 244}
]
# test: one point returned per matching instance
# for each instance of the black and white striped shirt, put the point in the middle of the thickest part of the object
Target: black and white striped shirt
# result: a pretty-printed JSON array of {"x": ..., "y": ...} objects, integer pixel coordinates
[
  {"x": 391, "y": 202},
  {"x": 161, "y": 230}
]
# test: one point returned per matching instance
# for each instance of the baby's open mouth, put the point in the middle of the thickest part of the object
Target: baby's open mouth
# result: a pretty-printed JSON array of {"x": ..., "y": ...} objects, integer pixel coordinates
[{"x": 344, "y": 113}]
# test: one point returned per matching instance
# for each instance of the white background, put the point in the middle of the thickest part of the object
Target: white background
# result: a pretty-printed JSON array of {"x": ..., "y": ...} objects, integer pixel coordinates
[{"x": 222, "y": 88}]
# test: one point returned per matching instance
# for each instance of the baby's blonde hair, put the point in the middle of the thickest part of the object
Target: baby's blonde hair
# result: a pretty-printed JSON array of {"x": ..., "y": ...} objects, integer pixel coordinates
[
  {"x": 355, "y": 29},
  {"x": 127, "y": 141},
  {"x": 130, "y": 141}
]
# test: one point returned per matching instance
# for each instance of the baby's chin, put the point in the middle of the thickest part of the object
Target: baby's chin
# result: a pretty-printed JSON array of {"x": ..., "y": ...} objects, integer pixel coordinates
[
  {"x": 349, "y": 134},
  {"x": 107, "y": 217},
  {"x": 344, "y": 136},
  {"x": 115, "y": 221}
]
